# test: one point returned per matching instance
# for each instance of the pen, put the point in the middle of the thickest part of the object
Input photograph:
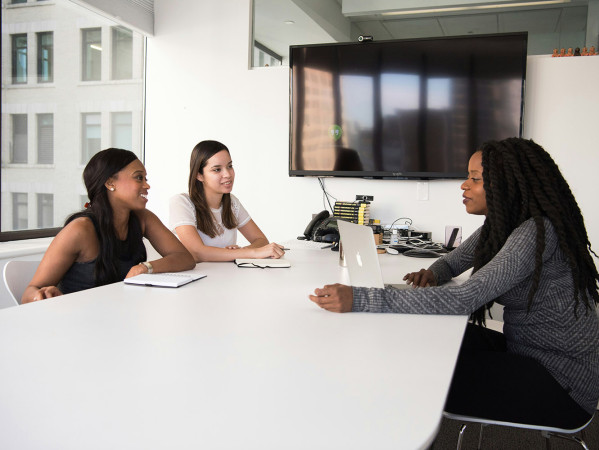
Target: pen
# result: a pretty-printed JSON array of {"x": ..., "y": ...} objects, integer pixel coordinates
[
  {"x": 286, "y": 249},
  {"x": 327, "y": 246}
]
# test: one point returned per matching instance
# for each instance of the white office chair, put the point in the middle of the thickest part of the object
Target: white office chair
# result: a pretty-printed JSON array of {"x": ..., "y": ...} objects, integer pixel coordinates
[
  {"x": 17, "y": 275},
  {"x": 546, "y": 431}
]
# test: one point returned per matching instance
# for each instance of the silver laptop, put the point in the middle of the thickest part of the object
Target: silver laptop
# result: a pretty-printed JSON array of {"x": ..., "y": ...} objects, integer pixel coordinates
[{"x": 361, "y": 256}]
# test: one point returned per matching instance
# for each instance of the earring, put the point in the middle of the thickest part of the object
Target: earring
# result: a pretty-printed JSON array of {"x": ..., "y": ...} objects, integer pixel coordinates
[{"x": 111, "y": 189}]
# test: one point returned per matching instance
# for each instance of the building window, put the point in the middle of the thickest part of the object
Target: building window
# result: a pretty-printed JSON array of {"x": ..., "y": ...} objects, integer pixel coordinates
[
  {"x": 19, "y": 139},
  {"x": 92, "y": 54},
  {"x": 122, "y": 130},
  {"x": 19, "y": 58},
  {"x": 16, "y": 2},
  {"x": 265, "y": 57},
  {"x": 122, "y": 53},
  {"x": 45, "y": 210},
  {"x": 91, "y": 132},
  {"x": 45, "y": 138},
  {"x": 19, "y": 210},
  {"x": 45, "y": 57},
  {"x": 53, "y": 123}
]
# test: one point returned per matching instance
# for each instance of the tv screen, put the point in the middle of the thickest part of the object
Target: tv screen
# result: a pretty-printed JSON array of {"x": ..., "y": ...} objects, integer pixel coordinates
[{"x": 403, "y": 109}]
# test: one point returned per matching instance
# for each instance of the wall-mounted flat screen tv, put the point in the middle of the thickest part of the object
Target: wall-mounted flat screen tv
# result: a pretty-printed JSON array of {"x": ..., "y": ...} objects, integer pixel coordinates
[{"x": 403, "y": 109}]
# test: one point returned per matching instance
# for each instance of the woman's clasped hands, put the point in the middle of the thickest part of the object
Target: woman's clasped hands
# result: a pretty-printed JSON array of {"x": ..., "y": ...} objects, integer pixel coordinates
[{"x": 46, "y": 292}]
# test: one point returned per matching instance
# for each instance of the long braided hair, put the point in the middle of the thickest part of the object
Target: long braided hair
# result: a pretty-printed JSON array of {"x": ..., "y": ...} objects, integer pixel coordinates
[{"x": 522, "y": 181}]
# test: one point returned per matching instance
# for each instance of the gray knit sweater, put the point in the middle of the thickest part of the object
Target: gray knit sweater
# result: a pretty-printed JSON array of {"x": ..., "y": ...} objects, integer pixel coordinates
[{"x": 568, "y": 346}]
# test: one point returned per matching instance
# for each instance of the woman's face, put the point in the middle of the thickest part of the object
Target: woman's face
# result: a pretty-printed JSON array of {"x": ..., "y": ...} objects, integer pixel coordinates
[
  {"x": 130, "y": 186},
  {"x": 218, "y": 174},
  {"x": 474, "y": 195}
]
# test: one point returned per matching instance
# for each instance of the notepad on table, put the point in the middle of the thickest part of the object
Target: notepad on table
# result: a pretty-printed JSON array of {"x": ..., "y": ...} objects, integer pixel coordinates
[
  {"x": 167, "y": 279},
  {"x": 262, "y": 263}
]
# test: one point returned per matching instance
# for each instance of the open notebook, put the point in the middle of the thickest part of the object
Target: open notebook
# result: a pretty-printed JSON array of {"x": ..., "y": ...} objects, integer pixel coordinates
[
  {"x": 262, "y": 263},
  {"x": 167, "y": 279}
]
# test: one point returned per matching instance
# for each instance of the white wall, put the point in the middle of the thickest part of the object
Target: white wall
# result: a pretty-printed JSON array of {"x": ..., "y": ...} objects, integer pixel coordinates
[{"x": 199, "y": 87}]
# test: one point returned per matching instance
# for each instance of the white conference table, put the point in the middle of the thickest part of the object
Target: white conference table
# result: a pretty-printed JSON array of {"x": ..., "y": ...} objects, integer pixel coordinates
[{"x": 241, "y": 359}]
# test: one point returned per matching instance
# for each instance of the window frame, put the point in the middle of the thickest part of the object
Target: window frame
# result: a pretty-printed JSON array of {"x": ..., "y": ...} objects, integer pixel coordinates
[
  {"x": 39, "y": 119},
  {"x": 40, "y": 60},
  {"x": 13, "y": 129},
  {"x": 115, "y": 32},
  {"x": 84, "y": 153},
  {"x": 85, "y": 44},
  {"x": 32, "y": 138},
  {"x": 40, "y": 197},
  {"x": 14, "y": 57},
  {"x": 16, "y": 204}
]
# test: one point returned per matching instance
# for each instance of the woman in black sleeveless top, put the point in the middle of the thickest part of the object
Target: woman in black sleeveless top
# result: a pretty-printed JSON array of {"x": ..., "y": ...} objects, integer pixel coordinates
[{"x": 103, "y": 243}]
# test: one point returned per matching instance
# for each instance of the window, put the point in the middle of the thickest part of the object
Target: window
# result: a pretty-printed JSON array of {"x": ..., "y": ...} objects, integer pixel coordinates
[
  {"x": 45, "y": 138},
  {"x": 19, "y": 58},
  {"x": 15, "y": 2},
  {"x": 91, "y": 132},
  {"x": 92, "y": 54},
  {"x": 45, "y": 210},
  {"x": 122, "y": 51},
  {"x": 45, "y": 57},
  {"x": 121, "y": 130},
  {"x": 19, "y": 139},
  {"x": 265, "y": 57},
  {"x": 54, "y": 121},
  {"x": 19, "y": 211}
]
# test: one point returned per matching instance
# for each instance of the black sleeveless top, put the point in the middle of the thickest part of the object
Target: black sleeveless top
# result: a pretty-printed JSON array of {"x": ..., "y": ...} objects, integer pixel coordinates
[{"x": 80, "y": 276}]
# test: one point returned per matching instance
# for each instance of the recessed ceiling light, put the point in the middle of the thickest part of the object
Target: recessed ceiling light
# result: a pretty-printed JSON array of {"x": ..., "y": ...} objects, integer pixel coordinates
[{"x": 289, "y": 22}]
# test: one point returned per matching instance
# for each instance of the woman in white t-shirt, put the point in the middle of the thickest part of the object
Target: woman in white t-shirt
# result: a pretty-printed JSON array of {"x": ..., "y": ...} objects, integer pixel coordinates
[{"x": 207, "y": 219}]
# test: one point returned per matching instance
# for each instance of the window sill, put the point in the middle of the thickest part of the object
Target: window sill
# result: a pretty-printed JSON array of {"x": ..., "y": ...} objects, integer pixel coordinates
[
  {"x": 25, "y": 247},
  {"x": 110, "y": 82},
  {"x": 29, "y": 85},
  {"x": 28, "y": 166}
]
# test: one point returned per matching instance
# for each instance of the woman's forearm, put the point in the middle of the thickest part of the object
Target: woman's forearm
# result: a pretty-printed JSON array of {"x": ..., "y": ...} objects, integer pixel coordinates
[
  {"x": 257, "y": 243},
  {"x": 174, "y": 262}
]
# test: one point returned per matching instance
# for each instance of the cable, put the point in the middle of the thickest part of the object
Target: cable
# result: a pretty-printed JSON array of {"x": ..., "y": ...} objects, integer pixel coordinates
[
  {"x": 325, "y": 195},
  {"x": 408, "y": 222}
]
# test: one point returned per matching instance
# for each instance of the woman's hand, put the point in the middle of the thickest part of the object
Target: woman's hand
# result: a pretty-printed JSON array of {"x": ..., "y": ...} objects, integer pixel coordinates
[
  {"x": 137, "y": 269},
  {"x": 334, "y": 297},
  {"x": 422, "y": 278},
  {"x": 271, "y": 250},
  {"x": 45, "y": 292}
]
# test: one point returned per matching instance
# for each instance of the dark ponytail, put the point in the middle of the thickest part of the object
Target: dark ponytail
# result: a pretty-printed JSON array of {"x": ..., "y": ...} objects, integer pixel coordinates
[{"x": 99, "y": 169}]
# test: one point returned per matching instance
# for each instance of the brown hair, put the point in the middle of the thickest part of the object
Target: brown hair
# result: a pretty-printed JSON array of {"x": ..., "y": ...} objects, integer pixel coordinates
[{"x": 200, "y": 155}]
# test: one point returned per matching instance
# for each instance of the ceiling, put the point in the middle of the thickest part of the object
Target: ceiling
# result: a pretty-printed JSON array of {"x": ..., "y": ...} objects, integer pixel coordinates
[{"x": 280, "y": 23}]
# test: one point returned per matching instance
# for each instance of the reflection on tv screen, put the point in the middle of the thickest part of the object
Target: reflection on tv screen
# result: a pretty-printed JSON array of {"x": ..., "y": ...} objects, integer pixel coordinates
[{"x": 416, "y": 108}]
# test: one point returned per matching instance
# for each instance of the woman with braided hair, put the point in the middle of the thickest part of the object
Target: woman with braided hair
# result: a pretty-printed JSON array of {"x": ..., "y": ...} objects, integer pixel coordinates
[{"x": 532, "y": 255}]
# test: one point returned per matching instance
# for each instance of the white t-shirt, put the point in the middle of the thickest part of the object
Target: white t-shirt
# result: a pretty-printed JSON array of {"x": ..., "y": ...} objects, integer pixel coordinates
[{"x": 182, "y": 212}]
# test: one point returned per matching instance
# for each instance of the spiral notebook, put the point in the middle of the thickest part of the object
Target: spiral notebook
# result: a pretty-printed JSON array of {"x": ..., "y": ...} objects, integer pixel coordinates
[{"x": 167, "y": 279}]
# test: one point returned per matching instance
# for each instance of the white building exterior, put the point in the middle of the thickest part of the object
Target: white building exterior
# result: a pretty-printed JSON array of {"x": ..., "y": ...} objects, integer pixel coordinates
[{"x": 75, "y": 89}]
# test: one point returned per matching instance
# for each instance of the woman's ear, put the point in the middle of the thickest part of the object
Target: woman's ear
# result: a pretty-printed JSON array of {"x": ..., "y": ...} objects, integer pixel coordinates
[
  {"x": 200, "y": 177},
  {"x": 109, "y": 184}
]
